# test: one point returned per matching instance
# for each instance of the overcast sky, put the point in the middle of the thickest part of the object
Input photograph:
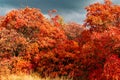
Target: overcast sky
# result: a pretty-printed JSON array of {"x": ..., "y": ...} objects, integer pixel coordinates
[{"x": 71, "y": 10}]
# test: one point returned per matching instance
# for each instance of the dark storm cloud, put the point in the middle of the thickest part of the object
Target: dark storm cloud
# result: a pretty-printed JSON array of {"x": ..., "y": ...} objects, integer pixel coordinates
[
  {"x": 45, "y": 5},
  {"x": 71, "y": 10}
]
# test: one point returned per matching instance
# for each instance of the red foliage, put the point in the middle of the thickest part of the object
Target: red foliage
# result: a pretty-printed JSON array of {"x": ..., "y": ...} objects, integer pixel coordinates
[
  {"x": 100, "y": 16},
  {"x": 62, "y": 61},
  {"x": 11, "y": 43},
  {"x": 112, "y": 68},
  {"x": 24, "y": 33},
  {"x": 103, "y": 40},
  {"x": 24, "y": 17},
  {"x": 30, "y": 42},
  {"x": 73, "y": 30},
  {"x": 15, "y": 65},
  {"x": 55, "y": 19},
  {"x": 20, "y": 65}
]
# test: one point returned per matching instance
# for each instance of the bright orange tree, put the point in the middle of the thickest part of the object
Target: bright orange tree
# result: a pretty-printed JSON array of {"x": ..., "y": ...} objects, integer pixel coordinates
[
  {"x": 32, "y": 24},
  {"x": 102, "y": 15},
  {"x": 44, "y": 44},
  {"x": 103, "y": 40},
  {"x": 29, "y": 30}
]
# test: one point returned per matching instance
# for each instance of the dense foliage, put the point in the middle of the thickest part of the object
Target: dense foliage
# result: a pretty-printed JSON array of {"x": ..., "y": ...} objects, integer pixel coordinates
[{"x": 31, "y": 43}]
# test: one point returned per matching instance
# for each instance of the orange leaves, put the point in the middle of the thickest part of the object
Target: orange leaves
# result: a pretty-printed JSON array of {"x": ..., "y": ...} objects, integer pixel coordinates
[
  {"x": 62, "y": 60},
  {"x": 103, "y": 20},
  {"x": 47, "y": 42},
  {"x": 56, "y": 20},
  {"x": 11, "y": 42},
  {"x": 102, "y": 15},
  {"x": 21, "y": 65},
  {"x": 15, "y": 65},
  {"x": 73, "y": 30},
  {"x": 108, "y": 2},
  {"x": 29, "y": 42},
  {"x": 112, "y": 68},
  {"x": 26, "y": 35},
  {"x": 29, "y": 17}
]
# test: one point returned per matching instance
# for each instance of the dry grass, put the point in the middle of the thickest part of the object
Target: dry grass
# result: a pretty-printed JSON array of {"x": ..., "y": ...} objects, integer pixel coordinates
[
  {"x": 22, "y": 76},
  {"x": 5, "y": 75}
]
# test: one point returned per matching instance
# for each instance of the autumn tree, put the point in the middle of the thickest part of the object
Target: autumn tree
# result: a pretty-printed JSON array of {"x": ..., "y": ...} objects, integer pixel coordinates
[
  {"x": 30, "y": 42},
  {"x": 101, "y": 16},
  {"x": 34, "y": 26},
  {"x": 24, "y": 33},
  {"x": 103, "y": 39}
]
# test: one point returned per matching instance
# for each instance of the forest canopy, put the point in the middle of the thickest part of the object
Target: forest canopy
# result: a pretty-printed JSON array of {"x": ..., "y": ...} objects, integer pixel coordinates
[{"x": 31, "y": 43}]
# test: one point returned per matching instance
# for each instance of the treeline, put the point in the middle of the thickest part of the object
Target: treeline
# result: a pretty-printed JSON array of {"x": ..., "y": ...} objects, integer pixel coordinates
[{"x": 52, "y": 48}]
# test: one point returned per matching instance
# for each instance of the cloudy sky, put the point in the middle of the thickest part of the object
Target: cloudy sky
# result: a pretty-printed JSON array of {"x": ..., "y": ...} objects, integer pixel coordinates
[{"x": 71, "y": 10}]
